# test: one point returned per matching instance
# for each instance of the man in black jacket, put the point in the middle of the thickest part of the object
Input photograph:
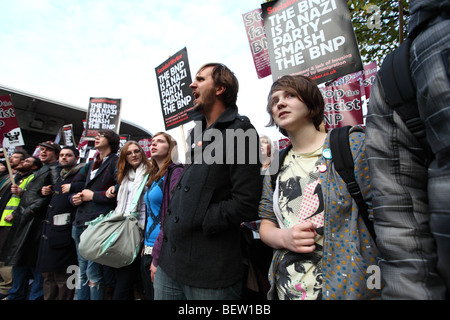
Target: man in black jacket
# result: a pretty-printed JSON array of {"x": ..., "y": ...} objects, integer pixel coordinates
[
  {"x": 57, "y": 248},
  {"x": 220, "y": 188}
]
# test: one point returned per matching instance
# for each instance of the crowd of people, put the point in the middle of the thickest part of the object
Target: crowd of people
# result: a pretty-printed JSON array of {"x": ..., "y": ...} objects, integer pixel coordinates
[{"x": 240, "y": 219}]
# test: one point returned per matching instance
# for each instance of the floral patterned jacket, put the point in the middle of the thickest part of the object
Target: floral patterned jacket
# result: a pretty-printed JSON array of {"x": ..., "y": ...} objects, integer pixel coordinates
[{"x": 349, "y": 259}]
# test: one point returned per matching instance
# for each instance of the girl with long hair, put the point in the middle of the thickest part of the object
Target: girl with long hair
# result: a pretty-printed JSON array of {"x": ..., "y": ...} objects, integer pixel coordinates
[
  {"x": 164, "y": 174},
  {"x": 132, "y": 168}
]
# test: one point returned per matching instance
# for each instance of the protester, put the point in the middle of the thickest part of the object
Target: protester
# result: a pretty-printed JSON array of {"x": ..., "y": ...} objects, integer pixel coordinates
[
  {"x": 56, "y": 248},
  {"x": 3, "y": 172},
  {"x": 163, "y": 177},
  {"x": 132, "y": 168},
  {"x": 5, "y": 195},
  {"x": 310, "y": 218},
  {"x": 411, "y": 196},
  {"x": 90, "y": 186},
  {"x": 9, "y": 202},
  {"x": 266, "y": 152},
  {"x": 201, "y": 256},
  {"x": 23, "y": 241}
]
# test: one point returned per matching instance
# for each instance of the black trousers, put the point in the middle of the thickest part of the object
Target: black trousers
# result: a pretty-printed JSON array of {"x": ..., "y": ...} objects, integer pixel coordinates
[
  {"x": 126, "y": 280},
  {"x": 147, "y": 283}
]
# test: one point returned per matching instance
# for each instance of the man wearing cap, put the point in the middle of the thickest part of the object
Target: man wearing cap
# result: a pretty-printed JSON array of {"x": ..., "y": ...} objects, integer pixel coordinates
[
  {"x": 49, "y": 152},
  {"x": 23, "y": 241}
]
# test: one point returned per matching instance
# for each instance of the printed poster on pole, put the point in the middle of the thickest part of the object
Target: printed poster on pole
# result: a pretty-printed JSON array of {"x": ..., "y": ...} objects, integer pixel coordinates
[
  {"x": 256, "y": 35},
  {"x": 103, "y": 114},
  {"x": 311, "y": 38},
  {"x": 173, "y": 78}
]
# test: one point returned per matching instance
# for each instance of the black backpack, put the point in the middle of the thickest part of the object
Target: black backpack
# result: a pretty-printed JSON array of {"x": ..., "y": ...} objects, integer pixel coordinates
[
  {"x": 400, "y": 93},
  {"x": 399, "y": 89}
]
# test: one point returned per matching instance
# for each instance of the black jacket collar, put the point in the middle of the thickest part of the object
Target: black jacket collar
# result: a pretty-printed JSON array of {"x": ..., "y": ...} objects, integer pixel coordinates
[{"x": 230, "y": 114}]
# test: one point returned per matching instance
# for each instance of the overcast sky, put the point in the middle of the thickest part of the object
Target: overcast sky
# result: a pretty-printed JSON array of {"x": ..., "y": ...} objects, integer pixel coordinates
[{"x": 70, "y": 50}]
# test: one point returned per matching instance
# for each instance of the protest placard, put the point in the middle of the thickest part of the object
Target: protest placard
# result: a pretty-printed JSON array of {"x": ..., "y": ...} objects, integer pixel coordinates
[
  {"x": 69, "y": 139},
  {"x": 258, "y": 42},
  {"x": 173, "y": 78},
  {"x": 314, "y": 38},
  {"x": 343, "y": 105},
  {"x": 65, "y": 136},
  {"x": 146, "y": 145},
  {"x": 365, "y": 79},
  {"x": 10, "y": 133},
  {"x": 103, "y": 114},
  {"x": 123, "y": 138},
  {"x": 370, "y": 72}
]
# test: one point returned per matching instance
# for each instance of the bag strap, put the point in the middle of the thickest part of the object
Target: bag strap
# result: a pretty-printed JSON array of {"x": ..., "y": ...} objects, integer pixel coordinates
[
  {"x": 137, "y": 196},
  {"x": 344, "y": 165}
]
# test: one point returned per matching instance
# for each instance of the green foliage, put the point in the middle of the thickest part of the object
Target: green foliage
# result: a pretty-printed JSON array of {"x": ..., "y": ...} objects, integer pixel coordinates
[{"x": 376, "y": 43}]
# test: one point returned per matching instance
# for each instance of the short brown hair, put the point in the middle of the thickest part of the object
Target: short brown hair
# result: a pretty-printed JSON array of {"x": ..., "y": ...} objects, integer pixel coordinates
[
  {"x": 113, "y": 139},
  {"x": 223, "y": 76},
  {"x": 306, "y": 90}
]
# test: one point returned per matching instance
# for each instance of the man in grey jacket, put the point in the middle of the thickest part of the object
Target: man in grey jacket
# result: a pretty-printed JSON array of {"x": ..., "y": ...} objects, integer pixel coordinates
[{"x": 411, "y": 200}]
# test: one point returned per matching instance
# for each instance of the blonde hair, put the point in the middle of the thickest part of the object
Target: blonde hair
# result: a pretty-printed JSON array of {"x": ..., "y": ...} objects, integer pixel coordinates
[{"x": 269, "y": 143}]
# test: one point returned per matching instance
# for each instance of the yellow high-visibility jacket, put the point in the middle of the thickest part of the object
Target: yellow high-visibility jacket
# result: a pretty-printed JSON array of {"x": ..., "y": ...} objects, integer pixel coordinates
[{"x": 14, "y": 201}]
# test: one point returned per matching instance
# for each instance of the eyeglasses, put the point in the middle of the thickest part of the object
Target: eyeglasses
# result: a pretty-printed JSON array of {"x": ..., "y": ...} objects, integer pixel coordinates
[
  {"x": 130, "y": 153},
  {"x": 100, "y": 135}
]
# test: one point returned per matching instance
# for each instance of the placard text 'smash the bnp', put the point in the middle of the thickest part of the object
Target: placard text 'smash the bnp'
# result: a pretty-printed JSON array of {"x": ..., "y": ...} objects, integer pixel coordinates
[
  {"x": 174, "y": 78},
  {"x": 103, "y": 114},
  {"x": 314, "y": 38}
]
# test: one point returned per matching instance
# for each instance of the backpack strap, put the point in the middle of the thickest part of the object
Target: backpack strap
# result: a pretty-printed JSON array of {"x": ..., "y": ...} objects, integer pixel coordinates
[
  {"x": 400, "y": 92},
  {"x": 281, "y": 156},
  {"x": 344, "y": 165}
]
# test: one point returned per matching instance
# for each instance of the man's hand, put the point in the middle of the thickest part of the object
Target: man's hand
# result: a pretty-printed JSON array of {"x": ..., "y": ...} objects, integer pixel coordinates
[
  {"x": 87, "y": 195},
  {"x": 46, "y": 190},
  {"x": 76, "y": 199},
  {"x": 16, "y": 190},
  {"x": 65, "y": 188},
  {"x": 110, "y": 193}
]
